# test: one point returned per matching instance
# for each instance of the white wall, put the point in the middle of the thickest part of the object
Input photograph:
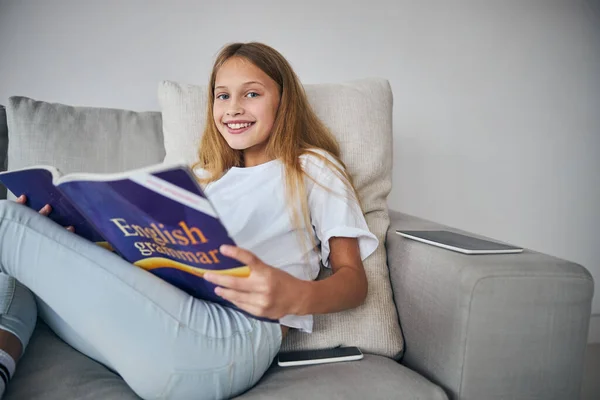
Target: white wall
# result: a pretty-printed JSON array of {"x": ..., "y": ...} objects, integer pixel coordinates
[{"x": 497, "y": 103}]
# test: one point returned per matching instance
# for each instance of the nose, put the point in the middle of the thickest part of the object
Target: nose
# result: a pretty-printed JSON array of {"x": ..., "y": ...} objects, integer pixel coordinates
[{"x": 234, "y": 109}]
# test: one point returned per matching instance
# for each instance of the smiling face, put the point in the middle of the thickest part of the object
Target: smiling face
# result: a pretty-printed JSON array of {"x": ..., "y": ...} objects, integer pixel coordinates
[{"x": 244, "y": 107}]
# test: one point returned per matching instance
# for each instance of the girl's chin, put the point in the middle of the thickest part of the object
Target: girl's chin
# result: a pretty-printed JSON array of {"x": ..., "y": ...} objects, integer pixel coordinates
[
  {"x": 236, "y": 145},
  {"x": 242, "y": 142}
]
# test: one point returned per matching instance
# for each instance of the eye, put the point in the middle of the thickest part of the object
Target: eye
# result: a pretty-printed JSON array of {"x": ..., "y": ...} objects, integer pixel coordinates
[
  {"x": 222, "y": 96},
  {"x": 252, "y": 95}
]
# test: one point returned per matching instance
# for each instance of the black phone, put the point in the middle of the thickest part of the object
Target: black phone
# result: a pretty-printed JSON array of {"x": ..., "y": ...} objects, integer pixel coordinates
[{"x": 320, "y": 356}]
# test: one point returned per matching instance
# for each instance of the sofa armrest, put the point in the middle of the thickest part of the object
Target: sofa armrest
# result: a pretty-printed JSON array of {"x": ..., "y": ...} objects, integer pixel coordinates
[{"x": 510, "y": 326}]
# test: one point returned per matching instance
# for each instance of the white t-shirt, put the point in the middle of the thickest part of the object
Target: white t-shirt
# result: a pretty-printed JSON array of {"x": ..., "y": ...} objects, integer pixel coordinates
[{"x": 251, "y": 203}]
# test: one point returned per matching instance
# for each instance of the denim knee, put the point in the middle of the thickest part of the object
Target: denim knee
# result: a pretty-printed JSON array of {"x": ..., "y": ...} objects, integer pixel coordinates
[{"x": 10, "y": 207}]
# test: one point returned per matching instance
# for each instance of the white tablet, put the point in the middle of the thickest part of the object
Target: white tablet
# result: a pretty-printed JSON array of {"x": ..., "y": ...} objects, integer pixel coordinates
[{"x": 460, "y": 243}]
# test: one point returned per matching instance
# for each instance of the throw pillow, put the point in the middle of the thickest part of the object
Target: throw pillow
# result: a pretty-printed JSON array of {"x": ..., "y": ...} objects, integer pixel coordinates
[
  {"x": 81, "y": 139},
  {"x": 360, "y": 116}
]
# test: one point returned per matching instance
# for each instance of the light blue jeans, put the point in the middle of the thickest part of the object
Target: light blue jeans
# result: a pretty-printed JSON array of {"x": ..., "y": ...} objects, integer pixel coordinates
[{"x": 163, "y": 342}]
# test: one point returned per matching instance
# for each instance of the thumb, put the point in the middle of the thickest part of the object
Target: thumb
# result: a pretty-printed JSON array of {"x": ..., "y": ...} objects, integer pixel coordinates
[{"x": 242, "y": 255}]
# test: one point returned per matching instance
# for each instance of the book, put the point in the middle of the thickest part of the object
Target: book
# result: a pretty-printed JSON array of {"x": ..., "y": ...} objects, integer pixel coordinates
[{"x": 158, "y": 218}]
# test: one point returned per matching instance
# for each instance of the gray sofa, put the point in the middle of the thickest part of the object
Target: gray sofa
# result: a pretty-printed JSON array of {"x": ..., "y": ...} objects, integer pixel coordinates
[{"x": 475, "y": 327}]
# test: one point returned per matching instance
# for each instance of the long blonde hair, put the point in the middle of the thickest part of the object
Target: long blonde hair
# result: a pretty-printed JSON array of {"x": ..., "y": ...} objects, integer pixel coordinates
[{"x": 296, "y": 130}]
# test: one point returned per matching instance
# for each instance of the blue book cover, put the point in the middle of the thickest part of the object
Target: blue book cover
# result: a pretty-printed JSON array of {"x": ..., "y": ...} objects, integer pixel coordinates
[
  {"x": 37, "y": 183},
  {"x": 157, "y": 218}
]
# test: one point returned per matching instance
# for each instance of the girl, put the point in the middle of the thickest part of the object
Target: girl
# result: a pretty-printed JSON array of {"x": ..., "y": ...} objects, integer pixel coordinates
[{"x": 273, "y": 172}]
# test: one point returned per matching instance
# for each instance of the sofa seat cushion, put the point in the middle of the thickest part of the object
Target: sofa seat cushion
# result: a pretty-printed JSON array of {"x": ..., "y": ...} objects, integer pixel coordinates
[
  {"x": 52, "y": 370},
  {"x": 374, "y": 377}
]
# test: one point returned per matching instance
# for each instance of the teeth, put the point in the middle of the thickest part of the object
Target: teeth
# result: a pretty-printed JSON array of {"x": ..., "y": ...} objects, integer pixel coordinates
[{"x": 239, "y": 126}]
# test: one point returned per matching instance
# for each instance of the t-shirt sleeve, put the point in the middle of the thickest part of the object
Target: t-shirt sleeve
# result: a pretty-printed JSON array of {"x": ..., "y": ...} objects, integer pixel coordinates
[{"x": 335, "y": 211}]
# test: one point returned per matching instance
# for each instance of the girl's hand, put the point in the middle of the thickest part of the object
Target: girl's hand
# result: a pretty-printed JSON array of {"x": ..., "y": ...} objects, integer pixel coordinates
[
  {"x": 268, "y": 292},
  {"x": 45, "y": 211}
]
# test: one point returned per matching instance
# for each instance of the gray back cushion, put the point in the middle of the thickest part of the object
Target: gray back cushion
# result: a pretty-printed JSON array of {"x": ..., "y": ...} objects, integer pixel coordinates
[
  {"x": 81, "y": 139},
  {"x": 3, "y": 146}
]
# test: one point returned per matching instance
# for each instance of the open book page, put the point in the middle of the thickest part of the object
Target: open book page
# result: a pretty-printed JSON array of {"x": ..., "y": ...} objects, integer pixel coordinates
[
  {"x": 49, "y": 169},
  {"x": 115, "y": 176},
  {"x": 158, "y": 221},
  {"x": 37, "y": 184}
]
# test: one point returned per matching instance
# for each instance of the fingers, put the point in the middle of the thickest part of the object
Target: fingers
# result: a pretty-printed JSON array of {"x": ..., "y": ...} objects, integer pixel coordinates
[
  {"x": 242, "y": 255},
  {"x": 244, "y": 301},
  {"x": 46, "y": 210},
  {"x": 234, "y": 295},
  {"x": 255, "y": 305},
  {"x": 232, "y": 282}
]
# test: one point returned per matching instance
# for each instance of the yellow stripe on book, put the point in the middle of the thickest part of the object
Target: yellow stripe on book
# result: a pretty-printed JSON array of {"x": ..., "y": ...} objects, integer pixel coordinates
[
  {"x": 160, "y": 262},
  {"x": 105, "y": 245}
]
